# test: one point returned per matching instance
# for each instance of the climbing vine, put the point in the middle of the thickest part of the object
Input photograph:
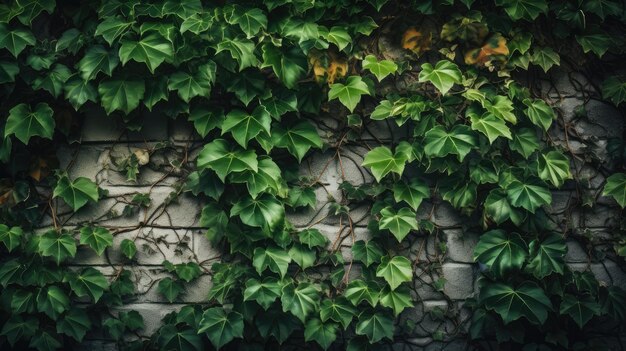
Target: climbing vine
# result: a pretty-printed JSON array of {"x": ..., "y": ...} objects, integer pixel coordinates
[{"x": 455, "y": 82}]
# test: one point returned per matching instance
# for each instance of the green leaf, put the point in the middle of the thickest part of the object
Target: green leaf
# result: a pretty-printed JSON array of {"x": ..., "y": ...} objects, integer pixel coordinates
[
  {"x": 263, "y": 292},
  {"x": 443, "y": 76},
  {"x": 52, "y": 301},
  {"x": 54, "y": 81},
  {"x": 247, "y": 85},
  {"x": 301, "y": 300},
  {"x": 10, "y": 272},
  {"x": 276, "y": 259},
  {"x": 368, "y": 252},
  {"x": 26, "y": 123},
  {"x": 603, "y": 8},
  {"x": 380, "y": 69},
  {"x": 312, "y": 238},
  {"x": 381, "y": 162},
  {"x": 132, "y": 320},
  {"x": 263, "y": 211},
  {"x": 339, "y": 36},
  {"x": 8, "y": 72},
  {"x": 97, "y": 59},
  {"x": 498, "y": 208},
  {"x": 288, "y": 65},
  {"x": 97, "y": 238},
  {"x": 297, "y": 139},
  {"x": 302, "y": 197},
  {"x": 44, "y": 341},
  {"x": 359, "y": 290},
  {"x": 75, "y": 323},
  {"x": 458, "y": 141},
  {"x": 491, "y": 126},
  {"x": 375, "y": 325},
  {"x": 545, "y": 57},
  {"x": 171, "y": 338},
  {"x": 57, "y": 245},
  {"x": 614, "y": 90},
  {"x": 251, "y": 21},
  {"x": 206, "y": 119},
  {"x": 277, "y": 324},
  {"x": 189, "y": 85},
  {"x": 122, "y": 95},
  {"x": 501, "y": 107},
  {"x": 219, "y": 156},
  {"x": 503, "y": 253},
  {"x": 349, "y": 94},
  {"x": 22, "y": 301},
  {"x": 11, "y": 237},
  {"x": 16, "y": 328},
  {"x": 539, "y": 113},
  {"x": 197, "y": 23},
  {"x": 152, "y": 50},
  {"x": 598, "y": 43},
  {"x": 266, "y": 179},
  {"x": 15, "y": 40},
  {"x": 396, "y": 299},
  {"x": 30, "y": 9},
  {"x": 245, "y": 126},
  {"x": 220, "y": 326},
  {"x": 182, "y": 9},
  {"x": 240, "y": 49},
  {"x": 525, "y": 141},
  {"x": 395, "y": 271},
  {"x": 399, "y": 223},
  {"x": 616, "y": 188},
  {"x": 303, "y": 256},
  {"x": 527, "y": 300},
  {"x": 529, "y": 195},
  {"x": 113, "y": 28},
  {"x": 76, "y": 193},
  {"x": 613, "y": 303},
  {"x": 580, "y": 308},
  {"x": 170, "y": 288},
  {"x": 78, "y": 91},
  {"x": 553, "y": 166},
  {"x": 339, "y": 310},
  {"x": 90, "y": 282},
  {"x": 324, "y": 334},
  {"x": 188, "y": 271},
  {"x": 523, "y": 9},
  {"x": 546, "y": 256},
  {"x": 128, "y": 248}
]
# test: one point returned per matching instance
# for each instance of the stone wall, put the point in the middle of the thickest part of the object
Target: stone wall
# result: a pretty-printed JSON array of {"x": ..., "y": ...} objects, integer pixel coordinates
[{"x": 168, "y": 229}]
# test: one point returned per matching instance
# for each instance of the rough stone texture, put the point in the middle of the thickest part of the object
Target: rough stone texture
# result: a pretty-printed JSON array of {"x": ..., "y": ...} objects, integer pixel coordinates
[{"x": 445, "y": 272}]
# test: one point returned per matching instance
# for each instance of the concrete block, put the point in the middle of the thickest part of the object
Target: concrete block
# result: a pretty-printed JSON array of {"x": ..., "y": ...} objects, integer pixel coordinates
[{"x": 459, "y": 280}]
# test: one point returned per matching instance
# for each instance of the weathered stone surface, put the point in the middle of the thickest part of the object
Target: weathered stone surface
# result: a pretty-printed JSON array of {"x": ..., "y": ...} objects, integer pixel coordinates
[{"x": 459, "y": 280}]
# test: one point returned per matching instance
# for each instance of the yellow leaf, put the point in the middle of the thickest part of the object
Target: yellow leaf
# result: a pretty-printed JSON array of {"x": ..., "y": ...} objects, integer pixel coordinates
[
  {"x": 327, "y": 67},
  {"x": 416, "y": 41},
  {"x": 495, "y": 46}
]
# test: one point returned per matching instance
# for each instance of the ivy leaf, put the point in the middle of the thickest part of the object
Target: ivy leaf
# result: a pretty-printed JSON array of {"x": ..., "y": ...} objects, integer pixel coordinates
[
  {"x": 523, "y": 9},
  {"x": 132, "y": 320},
  {"x": 553, "y": 166},
  {"x": 546, "y": 256},
  {"x": 11, "y": 237},
  {"x": 263, "y": 292},
  {"x": 381, "y": 162},
  {"x": 245, "y": 126},
  {"x": 525, "y": 142},
  {"x": 171, "y": 338},
  {"x": 349, "y": 94},
  {"x": 97, "y": 59},
  {"x": 312, "y": 238},
  {"x": 206, "y": 119},
  {"x": 277, "y": 260},
  {"x": 302, "y": 197},
  {"x": 399, "y": 223},
  {"x": 277, "y": 324},
  {"x": 368, "y": 252},
  {"x": 501, "y": 107},
  {"x": 250, "y": 21},
  {"x": 152, "y": 50},
  {"x": 76, "y": 193},
  {"x": 90, "y": 282},
  {"x": 18, "y": 327},
  {"x": 57, "y": 245},
  {"x": 598, "y": 43},
  {"x": 498, "y": 208},
  {"x": 375, "y": 325},
  {"x": 97, "y": 238},
  {"x": 188, "y": 271},
  {"x": 122, "y": 95},
  {"x": 527, "y": 300},
  {"x": 339, "y": 310},
  {"x": 297, "y": 139},
  {"x": 443, "y": 76},
  {"x": 339, "y": 36},
  {"x": 220, "y": 326},
  {"x": 395, "y": 271},
  {"x": 75, "y": 324},
  {"x": 545, "y": 57},
  {"x": 458, "y": 141},
  {"x": 26, "y": 123},
  {"x": 396, "y": 299},
  {"x": 128, "y": 248},
  {"x": 52, "y": 301},
  {"x": 539, "y": 113},
  {"x": 266, "y": 179},
  {"x": 112, "y": 28},
  {"x": 182, "y": 9},
  {"x": 612, "y": 303},
  {"x": 44, "y": 341},
  {"x": 197, "y": 23},
  {"x": 263, "y": 211},
  {"x": 324, "y": 334},
  {"x": 603, "y": 8},
  {"x": 8, "y": 72},
  {"x": 380, "y": 69},
  {"x": 616, "y": 188},
  {"x": 529, "y": 195},
  {"x": 580, "y": 308},
  {"x": 289, "y": 66},
  {"x": 503, "y": 253},
  {"x": 301, "y": 300},
  {"x": 240, "y": 49},
  {"x": 219, "y": 156},
  {"x": 10, "y": 272},
  {"x": 170, "y": 288},
  {"x": 30, "y": 9},
  {"x": 189, "y": 85},
  {"x": 78, "y": 91},
  {"x": 358, "y": 290},
  {"x": 614, "y": 90},
  {"x": 15, "y": 40},
  {"x": 491, "y": 126}
]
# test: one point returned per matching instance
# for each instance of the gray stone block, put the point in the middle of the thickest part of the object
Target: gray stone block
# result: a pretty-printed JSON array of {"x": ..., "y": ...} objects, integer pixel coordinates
[
  {"x": 461, "y": 245},
  {"x": 459, "y": 280}
]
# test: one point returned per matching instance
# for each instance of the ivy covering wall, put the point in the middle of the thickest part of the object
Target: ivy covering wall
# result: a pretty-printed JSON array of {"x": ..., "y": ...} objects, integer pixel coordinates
[{"x": 449, "y": 101}]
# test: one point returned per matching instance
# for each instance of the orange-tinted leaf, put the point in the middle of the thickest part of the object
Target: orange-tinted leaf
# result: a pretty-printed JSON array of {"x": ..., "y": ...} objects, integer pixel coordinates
[
  {"x": 337, "y": 69},
  {"x": 495, "y": 46},
  {"x": 41, "y": 166},
  {"x": 327, "y": 67},
  {"x": 416, "y": 41}
]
